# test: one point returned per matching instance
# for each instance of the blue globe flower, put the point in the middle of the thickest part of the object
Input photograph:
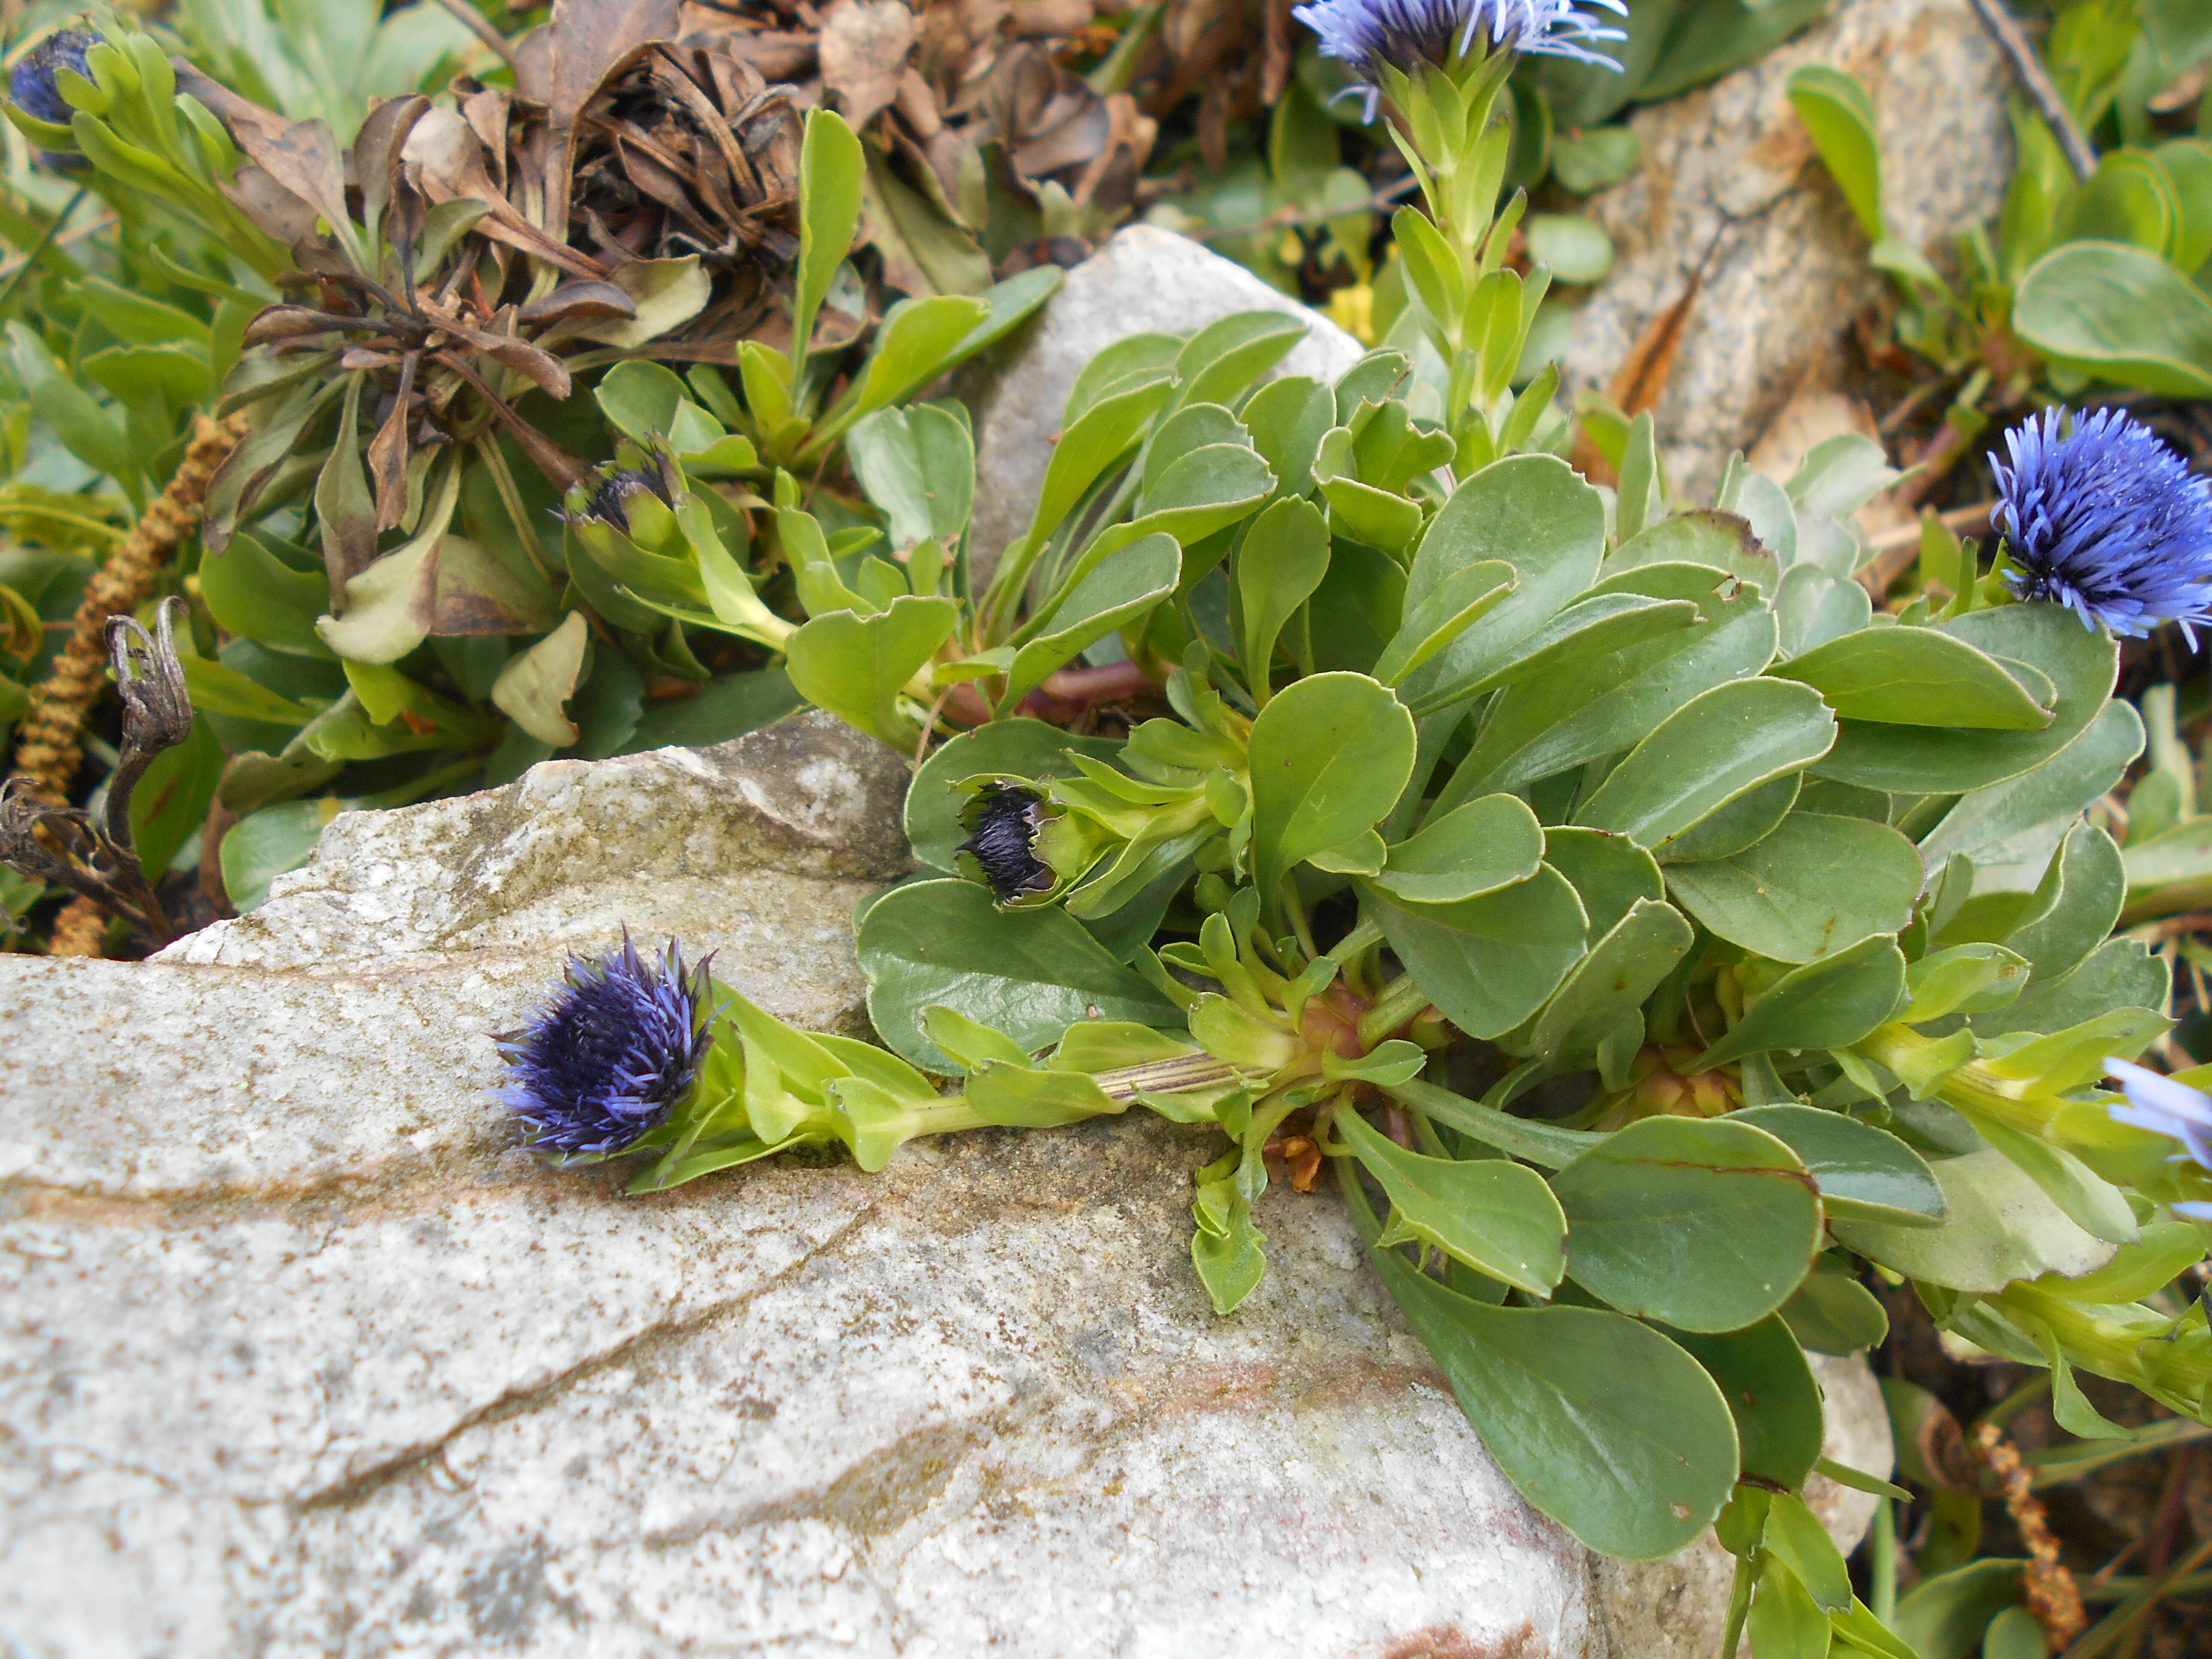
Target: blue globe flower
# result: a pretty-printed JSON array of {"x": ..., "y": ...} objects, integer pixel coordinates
[
  {"x": 617, "y": 1047},
  {"x": 2167, "y": 1108},
  {"x": 2107, "y": 520},
  {"x": 1368, "y": 34},
  {"x": 32, "y": 82}
]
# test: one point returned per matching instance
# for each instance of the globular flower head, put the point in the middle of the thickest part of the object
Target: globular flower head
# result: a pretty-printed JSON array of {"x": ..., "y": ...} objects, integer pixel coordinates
[
  {"x": 2107, "y": 520},
  {"x": 2168, "y": 1108},
  {"x": 31, "y": 82},
  {"x": 1003, "y": 818},
  {"x": 1366, "y": 34},
  {"x": 616, "y": 1049}
]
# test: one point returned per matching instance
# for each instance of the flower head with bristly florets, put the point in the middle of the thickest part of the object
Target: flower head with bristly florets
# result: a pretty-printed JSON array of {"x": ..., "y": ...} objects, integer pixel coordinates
[
  {"x": 1002, "y": 821},
  {"x": 32, "y": 81},
  {"x": 2168, "y": 1108},
  {"x": 2107, "y": 520},
  {"x": 1366, "y": 34},
  {"x": 617, "y": 1047}
]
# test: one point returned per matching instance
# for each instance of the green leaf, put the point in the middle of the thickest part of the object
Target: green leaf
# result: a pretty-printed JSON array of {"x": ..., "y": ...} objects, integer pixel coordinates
[
  {"x": 1536, "y": 513},
  {"x": 2121, "y": 313},
  {"x": 1283, "y": 559},
  {"x": 1944, "y": 1616},
  {"x": 1836, "y": 112},
  {"x": 256, "y": 595},
  {"x": 173, "y": 798},
  {"x": 1225, "y": 1247},
  {"x": 724, "y": 708},
  {"x": 1460, "y": 854},
  {"x": 2093, "y": 1203},
  {"x": 2002, "y": 1227},
  {"x": 1624, "y": 966},
  {"x": 856, "y": 666},
  {"x": 1223, "y": 359},
  {"x": 1610, "y": 872},
  {"x": 1828, "y": 1004},
  {"x": 1519, "y": 1137},
  {"x": 919, "y": 466},
  {"x": 1588, "y": 162},
  {"x": 535, "y": 686},
  {"x": 1600, "y": 1422},
  {"x": 1745, "y": 822},
  {"x": 1721, "y": 541},
  {"x": 1986, "y": 822},
  {"x": 2073, "y": 906},
  {"x": 1449, "y": 611},
  {"x": 1115, "y": 594},
  {"x": 1030, "y": 973},
  {"x": 1833, "y": 1313},
  {"x": 1784, "y": 1621},
  {"x": 1582, "y": 711},
  {"x": 1815, "y": 886},
  {"x": 264, "y": 845},
  {"x": 1015, "y": 748},
  {"x": 1495, "y": 1215},
  {"x": 832, "y": 171},
  {"x": 215, "y": 690},
  {"x": 916, "y": 341},
  {"x": 1863, "y": 1173},
  {"x": 1576, "y": 248},
  {"x": 95, "y": 434},
  {"x": 1794, "y": 1534},
  {"x": 1329, "y": 757},
  {"x": 1489, "y": 962},
  {"x": 1771, "y": 1389},
  {"x": 1590, "y": 628},
  {"x": 1916, "y": 677},
  {"x": 1714, "y": 748},
  {"x": 2128, "y": 199},
  {"x": 1707, "y": 1226}
]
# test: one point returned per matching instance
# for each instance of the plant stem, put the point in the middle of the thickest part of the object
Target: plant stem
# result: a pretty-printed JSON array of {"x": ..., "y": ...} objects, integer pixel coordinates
[
  {"x": 1402, "y": 998},
  {"x": 1739, "y": 1605},
  {"x": 1883, "y": 1546}
]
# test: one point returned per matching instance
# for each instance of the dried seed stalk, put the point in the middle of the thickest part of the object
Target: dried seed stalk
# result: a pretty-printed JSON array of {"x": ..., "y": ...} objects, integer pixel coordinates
[
  {"x": 2051, "y": 1593},
  {"x": 47, "y": 751}
]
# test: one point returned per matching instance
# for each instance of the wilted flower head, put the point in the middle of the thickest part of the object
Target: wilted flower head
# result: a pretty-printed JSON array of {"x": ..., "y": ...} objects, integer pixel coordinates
[
  {"x": 2105, "y": 520},
  {"x": 31, "y": 82},
  {"x": 1002, "y": 822},
  {"x": 609, "y": 502},
  {"x": 1369, "y": 33},
  {"x": 618, "y": 1046},
  {"x": 2168, "y": 1108}
]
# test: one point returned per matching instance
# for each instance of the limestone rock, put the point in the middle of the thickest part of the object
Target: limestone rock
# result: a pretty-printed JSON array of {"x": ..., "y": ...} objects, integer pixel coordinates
[
  {"x": 1145, "y": 279},
  {"x": 305, "y": 1356},
  {"x": 1729, "y": 169}
]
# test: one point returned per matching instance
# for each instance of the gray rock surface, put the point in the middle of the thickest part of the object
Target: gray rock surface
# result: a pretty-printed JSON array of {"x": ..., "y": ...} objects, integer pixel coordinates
[
  {"x": 1729, "y": 169},
  {"x": 1145, "y": 279},
  {"x": 304, "y": 1356}
]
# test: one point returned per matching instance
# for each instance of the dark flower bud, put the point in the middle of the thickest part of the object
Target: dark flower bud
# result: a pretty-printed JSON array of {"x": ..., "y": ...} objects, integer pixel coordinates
[
  {"x": 618, "y": 1047},
  {"x": 1003, "y": 821},
  {"x": 609, "y": 502},
  {"x": 32, "y": 84}
]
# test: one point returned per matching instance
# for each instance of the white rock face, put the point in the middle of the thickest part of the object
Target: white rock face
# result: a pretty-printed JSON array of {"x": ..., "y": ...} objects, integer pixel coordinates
[
  {"x": 304, "y": 1356},
  {"x": 1145, "y": 279},
  {"x": 1729, "y": 169}
]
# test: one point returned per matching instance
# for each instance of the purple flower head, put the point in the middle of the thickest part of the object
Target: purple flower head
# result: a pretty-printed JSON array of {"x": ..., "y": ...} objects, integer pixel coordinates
[
  {"x": 2168, "y": 1108},
  {"x": 2105, "y": 520},
  {"x": 609, "y": 502},
  {"x": 1369, "y": 33},
  {"x": 31, "y": 82},
  {"x": 1002, "y": 822},
  {"x": 616, "y": 1049}
]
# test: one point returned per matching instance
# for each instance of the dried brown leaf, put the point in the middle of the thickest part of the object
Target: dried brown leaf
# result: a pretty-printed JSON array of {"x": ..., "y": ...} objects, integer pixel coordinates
[
  {"x": 273, "y": 211},
  {"x": 864, "y": 45},
  {"x": 376, "y": 149}
]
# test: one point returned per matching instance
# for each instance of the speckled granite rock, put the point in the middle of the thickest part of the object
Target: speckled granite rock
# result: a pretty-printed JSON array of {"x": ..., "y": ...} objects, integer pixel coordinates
[
  {"x": 1144, "y": 279},
  {"x": 304, "y": 1356},
  {"x": 1729, "y": 169}
]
